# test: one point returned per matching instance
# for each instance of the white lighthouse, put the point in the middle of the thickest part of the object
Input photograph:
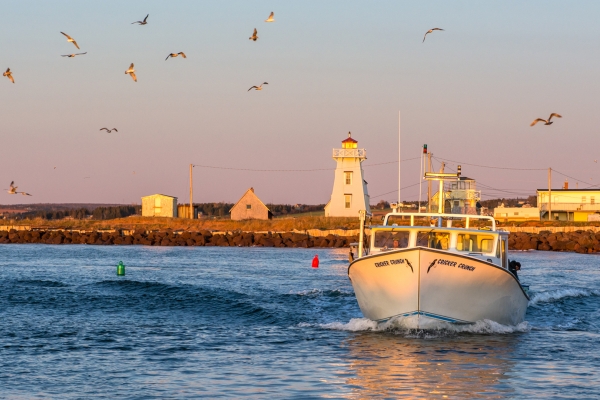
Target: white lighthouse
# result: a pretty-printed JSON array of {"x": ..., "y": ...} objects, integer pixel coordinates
[{"x": 350, "y": 192}]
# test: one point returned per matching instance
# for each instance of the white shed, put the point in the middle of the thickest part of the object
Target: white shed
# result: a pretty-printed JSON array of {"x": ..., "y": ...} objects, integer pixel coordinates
[{"x": 159, "y": 205}]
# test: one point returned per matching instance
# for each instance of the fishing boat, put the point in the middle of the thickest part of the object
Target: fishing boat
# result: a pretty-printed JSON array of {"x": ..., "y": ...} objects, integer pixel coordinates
[{"x": 436, "y": 266}]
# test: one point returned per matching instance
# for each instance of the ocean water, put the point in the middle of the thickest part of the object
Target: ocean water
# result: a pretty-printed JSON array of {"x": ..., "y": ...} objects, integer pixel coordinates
[{"x": 260, "y": 322}]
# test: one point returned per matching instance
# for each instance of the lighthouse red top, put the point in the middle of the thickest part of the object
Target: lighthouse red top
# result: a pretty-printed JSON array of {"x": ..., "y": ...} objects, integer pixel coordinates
[{"x": 349, "y": 143}]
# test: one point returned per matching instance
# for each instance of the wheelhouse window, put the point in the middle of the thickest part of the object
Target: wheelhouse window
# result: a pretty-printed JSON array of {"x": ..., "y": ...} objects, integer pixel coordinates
[
  {"x": 473, "y": 243},
  {"x": 433, "y": 240},
  {"x": 391, "y": 240}
]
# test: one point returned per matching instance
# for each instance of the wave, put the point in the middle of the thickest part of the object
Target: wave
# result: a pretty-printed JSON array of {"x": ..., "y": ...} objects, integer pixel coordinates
[
  {"x": 41, "y": 283},
  {"x": 554, "y": 295},
  {"x": 414, "y": 326},
  {"x": 324, "y": 293}
]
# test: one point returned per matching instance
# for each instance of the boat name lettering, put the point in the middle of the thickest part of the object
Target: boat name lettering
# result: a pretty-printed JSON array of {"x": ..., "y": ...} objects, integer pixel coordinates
[
  {"x": 446, "y": 262},
  {"x": 391, "y": 262},
  {"x": 455, "y": 264},
  {"x": 467, "y": 267}
]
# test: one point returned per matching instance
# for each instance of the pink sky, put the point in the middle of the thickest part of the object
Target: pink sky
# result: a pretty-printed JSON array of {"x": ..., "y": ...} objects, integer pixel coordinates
[{"x": 469, "y": 92}]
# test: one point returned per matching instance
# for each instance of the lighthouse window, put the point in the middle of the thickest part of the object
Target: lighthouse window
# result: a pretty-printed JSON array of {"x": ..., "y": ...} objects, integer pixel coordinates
[
  {"x": 347, "y": 200},
  {"x": 348, "y": 177}
]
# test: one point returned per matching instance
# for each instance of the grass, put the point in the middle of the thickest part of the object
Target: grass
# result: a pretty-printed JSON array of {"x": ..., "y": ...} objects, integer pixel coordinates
[{"x": 150, "y": 223}]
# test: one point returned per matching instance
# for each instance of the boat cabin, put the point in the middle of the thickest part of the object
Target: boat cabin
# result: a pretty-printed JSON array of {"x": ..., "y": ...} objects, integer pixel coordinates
[{"x": 484, "y": 243}]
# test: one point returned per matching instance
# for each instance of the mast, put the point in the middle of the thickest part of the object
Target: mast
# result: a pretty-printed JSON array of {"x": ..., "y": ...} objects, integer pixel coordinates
[{"x": 399, "y": 159}]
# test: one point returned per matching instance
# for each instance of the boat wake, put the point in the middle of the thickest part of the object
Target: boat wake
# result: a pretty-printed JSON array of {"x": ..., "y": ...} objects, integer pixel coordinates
[
  {"x": 559, "y": 294},
  {"x": 424, "y": 328}
]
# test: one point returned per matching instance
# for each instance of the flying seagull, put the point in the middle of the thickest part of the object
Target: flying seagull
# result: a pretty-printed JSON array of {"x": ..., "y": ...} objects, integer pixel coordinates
[
  {"x": 429, "y": 31},
  {"x": 131, "y": 72},
  {"x": 548, "y": 121},
  {"x": 254, "y": 35},
  {"x": 70, "y": 39},
  {"x": 144, "y": 22},
  {"x": 8, "y": 74},
  {"x": 73, "y": 55},
  {"x": 176, "y": 54},
  {"x": 109, "y": 130},
  {"x": 271, "y": 19},
  {"x": 12, "y": 189},
  {"x": 258, "y": 87}
]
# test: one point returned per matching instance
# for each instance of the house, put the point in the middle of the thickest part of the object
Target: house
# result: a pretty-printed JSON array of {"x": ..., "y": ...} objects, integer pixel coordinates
[
  {"x": 569, "y": 204},
  {"x": 510, "y": 214},
  {"x": 159, "y": 205},
  {"x": 250, "y": 207},
  {"x": 349, "y": 194}
]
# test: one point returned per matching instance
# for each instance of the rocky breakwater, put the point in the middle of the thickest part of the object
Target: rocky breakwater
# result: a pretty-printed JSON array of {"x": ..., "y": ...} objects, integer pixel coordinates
[
  {"x": 584, "y": 242},
  {"x": 174, "y": 238}
]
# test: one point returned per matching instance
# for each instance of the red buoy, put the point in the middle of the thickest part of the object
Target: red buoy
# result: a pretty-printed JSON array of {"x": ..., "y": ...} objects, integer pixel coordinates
[{"x": 315, "y": 262}]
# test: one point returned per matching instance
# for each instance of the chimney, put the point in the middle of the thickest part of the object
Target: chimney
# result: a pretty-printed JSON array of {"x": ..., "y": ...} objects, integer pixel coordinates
[{"x": 566, "y": 185}]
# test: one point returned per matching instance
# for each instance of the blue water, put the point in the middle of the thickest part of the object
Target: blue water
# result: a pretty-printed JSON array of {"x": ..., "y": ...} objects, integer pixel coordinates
[{"x": 259, "y": 322}]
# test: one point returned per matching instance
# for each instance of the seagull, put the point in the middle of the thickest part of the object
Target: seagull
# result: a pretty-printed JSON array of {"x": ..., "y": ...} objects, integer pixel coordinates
[
  {"x": 70, "y": 39},
  {"x": 8, "y": 74},
  {"x": 109, "y": 130},
  {"x": 12, "y": 189},
  {"x": 141, "y": 22},
  {"x": 176, "y": 54},
  {"x": 546, "y": 122},
  {"x": 429, "y": 31},
  {"x": 24, "y": 194},
  {"x": 258, "y": 87},
  {"x": 270, "y": 19},
  {"x": 73, "y": 55},
  {"x": 131, "y": 72},
  {"x": 254, "y": 35}
]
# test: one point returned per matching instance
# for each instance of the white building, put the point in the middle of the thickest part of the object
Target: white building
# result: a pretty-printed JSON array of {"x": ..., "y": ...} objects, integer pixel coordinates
[
  {"x": 350, "y": 192},
  {"x": 159, "y": 205}
]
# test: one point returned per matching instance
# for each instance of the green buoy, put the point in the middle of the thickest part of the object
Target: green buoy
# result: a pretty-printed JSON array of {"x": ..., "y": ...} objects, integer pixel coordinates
[{"x": 120, "y": 269}]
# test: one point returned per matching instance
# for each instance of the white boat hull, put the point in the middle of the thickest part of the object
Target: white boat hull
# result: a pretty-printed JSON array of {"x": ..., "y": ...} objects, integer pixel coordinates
[{"x": 436, "y": 284}]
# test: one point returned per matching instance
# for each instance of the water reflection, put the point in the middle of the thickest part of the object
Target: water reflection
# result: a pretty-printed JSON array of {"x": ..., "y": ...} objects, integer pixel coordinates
[{"x": 430, "y": 365}]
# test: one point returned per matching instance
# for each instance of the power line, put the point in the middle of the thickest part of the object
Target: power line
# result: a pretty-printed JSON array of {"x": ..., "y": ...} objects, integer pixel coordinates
[
  {"x": 493, "y": 167},
  {"x": 393, "y": 191},
  {"x": 295, "y": 170}
]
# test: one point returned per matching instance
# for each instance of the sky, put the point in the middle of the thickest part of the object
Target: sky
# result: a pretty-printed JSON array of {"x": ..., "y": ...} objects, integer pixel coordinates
[{"x": 469, "y": 92}]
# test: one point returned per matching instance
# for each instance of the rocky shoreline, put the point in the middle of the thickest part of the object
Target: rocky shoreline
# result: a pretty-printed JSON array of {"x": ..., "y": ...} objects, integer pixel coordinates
[
  {"x": 581, "y": 241},
  {"x": 175, "y": 238}
]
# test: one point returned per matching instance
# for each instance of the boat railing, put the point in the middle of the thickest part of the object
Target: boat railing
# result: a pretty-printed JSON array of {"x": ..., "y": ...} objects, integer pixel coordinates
[{"x": 466, "y": 217}]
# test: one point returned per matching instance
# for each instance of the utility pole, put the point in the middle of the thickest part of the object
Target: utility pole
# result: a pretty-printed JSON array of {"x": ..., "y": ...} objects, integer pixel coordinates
[
  {"x": 549, "y": 194},
  {"x": 428, "y": 183},
  {"x": 191, "y": 193}
]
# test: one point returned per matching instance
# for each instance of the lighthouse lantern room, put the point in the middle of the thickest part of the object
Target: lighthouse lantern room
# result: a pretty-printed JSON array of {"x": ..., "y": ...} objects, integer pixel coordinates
[{"x": 350, "y": 192}]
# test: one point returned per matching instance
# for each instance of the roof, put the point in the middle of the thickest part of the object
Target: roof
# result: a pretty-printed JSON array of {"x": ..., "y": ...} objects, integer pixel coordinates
[
  {"x": 244, "y": 195},
  {"x": 569, "y": 190},
  {"x": 159, "y": 194},
  {"x": 349, "y": 139},
  {"x": 464, "y": 178}
]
